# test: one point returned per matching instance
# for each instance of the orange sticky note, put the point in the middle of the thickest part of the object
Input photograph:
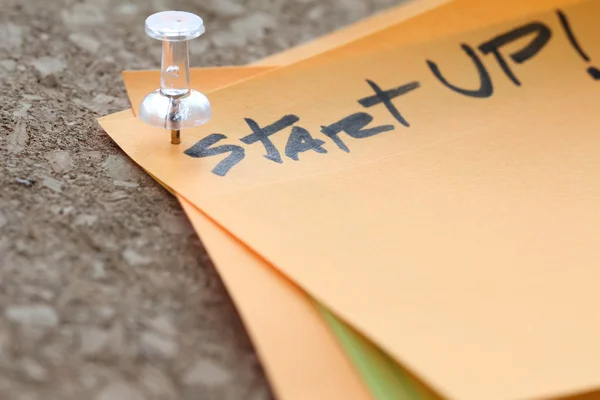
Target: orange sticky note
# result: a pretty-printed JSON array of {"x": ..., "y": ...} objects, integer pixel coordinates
[
  {"x": 442, "y": 242},
  {"x": 309, "y": 367}
]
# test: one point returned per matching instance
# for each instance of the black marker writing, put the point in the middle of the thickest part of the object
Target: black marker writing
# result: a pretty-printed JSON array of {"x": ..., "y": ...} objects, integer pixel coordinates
[
  {"x": 203, "y": 148},
  {"x": 485, "y": 87},
  {"x": 542, "y": 36},
  {"x": 262, "y": 135},
  {"x": 300, "y": 141},
  {"x": 386, "y": 96},
  {"x": 356, "y": 125},
  {"x": 593, "y": 71},
  {"x": 353, "y": 126}
]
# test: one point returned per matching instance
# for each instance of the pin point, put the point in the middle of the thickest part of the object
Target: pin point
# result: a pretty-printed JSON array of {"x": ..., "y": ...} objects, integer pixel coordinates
[{"x": 175, "y": 105}]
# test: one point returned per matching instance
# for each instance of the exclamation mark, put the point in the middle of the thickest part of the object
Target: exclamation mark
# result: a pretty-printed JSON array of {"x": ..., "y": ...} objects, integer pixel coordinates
[{"x": 593, "y": 71}]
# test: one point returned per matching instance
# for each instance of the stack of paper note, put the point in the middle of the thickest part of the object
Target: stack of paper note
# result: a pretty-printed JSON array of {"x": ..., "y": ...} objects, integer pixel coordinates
[{"x": 408, "y": 208}]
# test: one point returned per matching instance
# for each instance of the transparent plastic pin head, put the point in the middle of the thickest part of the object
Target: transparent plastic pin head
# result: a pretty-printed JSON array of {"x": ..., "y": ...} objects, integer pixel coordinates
[
  {"x": 174, "y": 26},
  {"x": 175, "y": 105}
]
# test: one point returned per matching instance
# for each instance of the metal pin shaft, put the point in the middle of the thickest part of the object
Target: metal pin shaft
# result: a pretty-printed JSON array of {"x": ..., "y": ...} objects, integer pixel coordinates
[{"x": 175, "y": 136}]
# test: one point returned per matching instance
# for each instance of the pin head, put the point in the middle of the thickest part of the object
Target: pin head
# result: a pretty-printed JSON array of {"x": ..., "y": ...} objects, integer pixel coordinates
[
  {"x": 175, "y": 105},
  {"x": 174, "y": 26}
]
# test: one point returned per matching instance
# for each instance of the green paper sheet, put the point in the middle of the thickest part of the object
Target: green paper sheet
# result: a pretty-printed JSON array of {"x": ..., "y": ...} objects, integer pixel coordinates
[{"x": 384, "y": 378}]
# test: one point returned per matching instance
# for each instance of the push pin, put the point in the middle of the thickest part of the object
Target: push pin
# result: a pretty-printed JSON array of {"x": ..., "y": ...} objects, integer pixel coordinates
[{"x": 175, "y": 105}]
